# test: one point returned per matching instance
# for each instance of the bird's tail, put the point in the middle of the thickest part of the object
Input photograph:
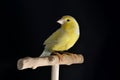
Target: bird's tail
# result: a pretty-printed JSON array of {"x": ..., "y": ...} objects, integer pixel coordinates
[{"x": 45, "y": 53}]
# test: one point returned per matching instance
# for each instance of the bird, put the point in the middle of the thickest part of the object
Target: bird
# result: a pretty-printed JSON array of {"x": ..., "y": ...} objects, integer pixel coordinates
[{"x": 63, "y": 38}]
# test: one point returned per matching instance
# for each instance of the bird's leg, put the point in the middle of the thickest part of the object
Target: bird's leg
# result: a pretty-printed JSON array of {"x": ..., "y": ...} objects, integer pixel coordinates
[{"x": 59, "y": 55}]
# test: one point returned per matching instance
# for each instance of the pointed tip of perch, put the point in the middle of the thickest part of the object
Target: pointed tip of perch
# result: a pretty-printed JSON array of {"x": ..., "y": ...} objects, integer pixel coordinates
[
  {"x": 20, "y": 64},
  {"x": 82, "y": 58}
]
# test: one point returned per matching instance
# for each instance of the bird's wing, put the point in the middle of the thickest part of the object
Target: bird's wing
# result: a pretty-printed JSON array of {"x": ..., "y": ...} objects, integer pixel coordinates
[{"x": 55, "y": 37}]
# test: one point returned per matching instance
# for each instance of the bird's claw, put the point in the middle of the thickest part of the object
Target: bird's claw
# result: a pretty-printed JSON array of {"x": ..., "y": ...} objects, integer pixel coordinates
[{"x": 59, "y": 55}]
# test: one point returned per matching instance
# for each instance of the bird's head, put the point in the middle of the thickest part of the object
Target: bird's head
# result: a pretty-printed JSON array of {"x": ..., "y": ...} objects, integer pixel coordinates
[
  {"x": 66, "y": 20},
  {"x": 69, "y": 24}
]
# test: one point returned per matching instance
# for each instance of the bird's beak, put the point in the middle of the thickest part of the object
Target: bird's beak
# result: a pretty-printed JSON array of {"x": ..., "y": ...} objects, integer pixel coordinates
[{"x": 61, "y": 21}]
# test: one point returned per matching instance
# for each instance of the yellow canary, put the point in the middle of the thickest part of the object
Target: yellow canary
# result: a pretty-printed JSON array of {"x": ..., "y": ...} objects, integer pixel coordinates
[{"x": 64, "y": 38}]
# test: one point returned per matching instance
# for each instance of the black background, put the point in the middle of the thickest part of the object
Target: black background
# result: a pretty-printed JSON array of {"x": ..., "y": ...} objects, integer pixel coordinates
[{"x": 27, "y": 23}]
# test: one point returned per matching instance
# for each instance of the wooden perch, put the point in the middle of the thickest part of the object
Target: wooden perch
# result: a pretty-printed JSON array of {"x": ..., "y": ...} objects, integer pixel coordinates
[{"x": 65, "y": 59}]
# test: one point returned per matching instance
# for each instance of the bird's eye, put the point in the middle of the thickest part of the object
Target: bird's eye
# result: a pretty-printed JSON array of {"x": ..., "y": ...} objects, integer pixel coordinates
[{"x": 68, "y": 20}]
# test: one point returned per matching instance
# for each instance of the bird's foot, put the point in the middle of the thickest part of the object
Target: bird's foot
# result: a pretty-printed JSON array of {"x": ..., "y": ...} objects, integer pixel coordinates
[{"x": 59, "y": 55}]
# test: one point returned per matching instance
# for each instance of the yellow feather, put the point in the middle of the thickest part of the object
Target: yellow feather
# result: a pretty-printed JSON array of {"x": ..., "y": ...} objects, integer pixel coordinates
[{"x": 65, "y": 37}]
